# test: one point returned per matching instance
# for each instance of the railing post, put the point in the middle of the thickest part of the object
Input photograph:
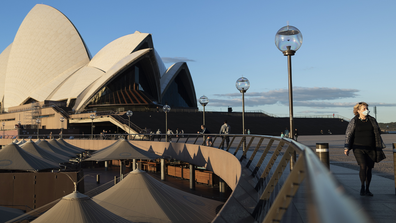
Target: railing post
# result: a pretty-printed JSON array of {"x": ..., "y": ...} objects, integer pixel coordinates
[
  {"x": 322, "y": 150},
  {"x": 394, "y": 162}
]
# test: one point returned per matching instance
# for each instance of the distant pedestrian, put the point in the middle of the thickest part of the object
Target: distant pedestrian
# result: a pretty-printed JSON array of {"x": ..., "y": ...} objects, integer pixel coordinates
[
  {"x": 295, "y": 134},
  {"x": 169, "y": 133},
  {"x": 207, "y": 138},
  {"x": 282, "y": 135},
  {"x": 159, "y": 134},
  {"x": 363, "y": 137},
  {"x": 286, "y": 132},
  {"x": 225, "y": 129}
]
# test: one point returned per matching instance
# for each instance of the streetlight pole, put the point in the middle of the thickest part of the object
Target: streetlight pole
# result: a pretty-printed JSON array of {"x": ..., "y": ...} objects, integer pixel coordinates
[
  {"x": 166, "y": 109},
  {"x": 129, "y": 113},
  {"x": 289, "y": 39},
  {"x": 3, "y": 129},
  {"x": 203, "y": 100},
  {"x": 61, "y": 120},
  {"x": 243, "y": 84},
  {"x": 38, "y": 125},
  {"x": 92, "y": 117}
]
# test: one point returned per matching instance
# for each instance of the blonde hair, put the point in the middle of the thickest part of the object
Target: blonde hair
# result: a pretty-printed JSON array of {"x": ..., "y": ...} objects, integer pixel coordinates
[{"x": 357, "y": 107}]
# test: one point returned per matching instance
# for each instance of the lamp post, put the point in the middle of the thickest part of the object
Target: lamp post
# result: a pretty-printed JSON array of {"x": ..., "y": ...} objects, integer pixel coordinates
[
  {"x": 166, "y": 109},
  {"x": 203, "y": 100},
  {"x": 3, "y": 129},
  {"x": 92, "y": 117},
  {"x": 243, "y": 84},
  {"x": 129, "y": 113},
  {"x": 38, "y": 124},
  {"x": 288, "y": 39},
  {"x": 61, "y": 119}
]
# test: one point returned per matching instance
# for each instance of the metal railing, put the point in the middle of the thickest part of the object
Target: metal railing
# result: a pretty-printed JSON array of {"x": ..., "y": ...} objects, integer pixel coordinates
[{"x": 278, "y": 168}]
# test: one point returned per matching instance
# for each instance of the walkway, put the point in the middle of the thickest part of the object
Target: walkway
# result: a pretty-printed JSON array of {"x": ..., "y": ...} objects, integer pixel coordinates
[{"x": 382, "y": 206}]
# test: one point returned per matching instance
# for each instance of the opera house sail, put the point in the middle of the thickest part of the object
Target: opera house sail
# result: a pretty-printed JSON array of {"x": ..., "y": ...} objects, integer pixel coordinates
[{"x": 49, "y": 61}]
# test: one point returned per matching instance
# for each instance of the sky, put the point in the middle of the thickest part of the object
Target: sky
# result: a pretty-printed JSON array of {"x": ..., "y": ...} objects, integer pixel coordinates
[{"x": 346, "y": 56}]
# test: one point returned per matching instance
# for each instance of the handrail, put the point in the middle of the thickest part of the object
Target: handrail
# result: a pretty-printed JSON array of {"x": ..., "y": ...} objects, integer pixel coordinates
[
  {"x": 326, "y": 202},
  {"x": 265, "y": 170}
]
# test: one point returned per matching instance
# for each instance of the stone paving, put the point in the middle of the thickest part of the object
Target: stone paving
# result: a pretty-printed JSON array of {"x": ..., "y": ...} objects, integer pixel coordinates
[{"x": 382, "y": 206}]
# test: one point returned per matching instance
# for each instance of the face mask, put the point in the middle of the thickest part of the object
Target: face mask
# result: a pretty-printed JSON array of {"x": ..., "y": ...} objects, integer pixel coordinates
[{"x": 365, "y": 113}]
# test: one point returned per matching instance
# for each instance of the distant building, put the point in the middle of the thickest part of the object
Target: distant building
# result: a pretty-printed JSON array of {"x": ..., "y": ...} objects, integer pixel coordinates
[{"x": 48, "y": 60}]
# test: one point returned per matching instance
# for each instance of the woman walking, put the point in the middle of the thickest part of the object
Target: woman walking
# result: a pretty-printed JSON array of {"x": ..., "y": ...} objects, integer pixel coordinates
[{"x": 363, "y": 137}]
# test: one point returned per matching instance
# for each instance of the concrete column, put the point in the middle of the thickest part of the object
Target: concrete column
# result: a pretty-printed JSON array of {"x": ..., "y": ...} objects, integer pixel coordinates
[
  {"x": 322, "y": 150},
  {"x": 162, "y": 169},
  {"x": 106, "y": 165},
  {"x": 134, "y": 164},
  {"x": 192, "y": 177}
]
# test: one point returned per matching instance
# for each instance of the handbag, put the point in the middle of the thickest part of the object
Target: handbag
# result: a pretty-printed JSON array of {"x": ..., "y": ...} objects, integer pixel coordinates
[{"x": 379, "y": 155}]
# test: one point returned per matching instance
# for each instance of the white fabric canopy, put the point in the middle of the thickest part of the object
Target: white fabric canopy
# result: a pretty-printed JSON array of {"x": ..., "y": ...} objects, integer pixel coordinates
[
  {"x": 36, "y": 150},
  {"x": 56, "y": 144},
  {"x": 63, "y": 142},
  {"x": 13, "y": 157},
  {"x": 122, "y": 150},
  {"x": 141, "y": 198},
  {"x": 45, "y": 145},
  {"x": 78, "y": 208}
]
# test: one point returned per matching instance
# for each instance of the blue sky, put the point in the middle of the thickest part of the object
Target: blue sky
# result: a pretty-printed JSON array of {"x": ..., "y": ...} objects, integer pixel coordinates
[{"x": 347, "y": 55}]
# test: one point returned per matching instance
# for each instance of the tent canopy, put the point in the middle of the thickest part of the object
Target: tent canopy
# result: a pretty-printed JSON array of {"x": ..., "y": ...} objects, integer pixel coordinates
[
  {"x": 77, "y": 207},
  {"x": 56, "y": 144},
  {"x": 122, "y": 150},
  {"x": 63, "y": 142},
  {"x": 13, "y": 157},
  {"x": 45, "y": 145},
  {"x": 141, "y": 198},
  {"x": 36, "y": 150}
]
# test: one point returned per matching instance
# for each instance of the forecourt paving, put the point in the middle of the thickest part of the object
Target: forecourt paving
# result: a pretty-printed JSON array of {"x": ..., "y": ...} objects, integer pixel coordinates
[{"x": 382, "y": 206}]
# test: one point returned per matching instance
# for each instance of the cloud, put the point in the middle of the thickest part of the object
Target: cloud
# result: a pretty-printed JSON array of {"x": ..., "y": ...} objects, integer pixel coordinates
[
  {"x": 306, "y": 97},
  {"x": 176, "y": 59}
]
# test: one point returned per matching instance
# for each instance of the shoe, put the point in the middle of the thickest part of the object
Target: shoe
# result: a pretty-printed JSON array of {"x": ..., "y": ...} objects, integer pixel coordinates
[
  {"x": 368, "y": 193},
  {"x": 362, "y": 192}
]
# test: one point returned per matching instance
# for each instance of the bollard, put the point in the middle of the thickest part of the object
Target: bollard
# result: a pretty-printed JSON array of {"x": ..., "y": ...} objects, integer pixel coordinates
[
  {"x": 162, "y": 169},
  {"x": 98, "y": 178},
  {"x": 192, "y": 177},
  {"x": 322, "y": 150},
  {"x": 106, "y": 166},
  {"x": 394, "y": 162},
  {"x": 115, "y": 180}
]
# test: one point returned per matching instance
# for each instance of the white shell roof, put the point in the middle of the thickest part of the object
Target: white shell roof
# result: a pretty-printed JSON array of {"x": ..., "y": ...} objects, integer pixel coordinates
[
  {"x": 76, "y": 83},
  {"x": 113, "y": 71},
  {"x": 3, "y": 69},
  {"x": 113, "y": 52},
  {"x": 46, "y": 44},
  {"x": 48, "y": 60}
]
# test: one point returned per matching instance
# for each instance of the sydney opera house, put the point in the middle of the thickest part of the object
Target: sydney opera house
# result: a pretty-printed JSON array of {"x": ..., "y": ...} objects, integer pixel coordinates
[{"x": 49, "y": 65}]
